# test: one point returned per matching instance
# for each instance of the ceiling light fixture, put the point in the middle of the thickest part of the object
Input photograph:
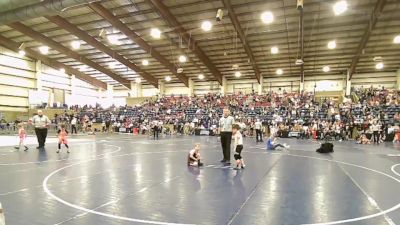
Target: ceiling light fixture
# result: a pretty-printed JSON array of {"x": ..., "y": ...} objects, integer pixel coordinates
[
  {"x": 238, "y": 74},
  {"x": 274, "y": 50},
  {"x": 21, "y": 53},
  {"x": 145, "y": 62},
  {"x": 83, "y": 68},
  {"x": 201, "y": 76},
  {"x": 168, "y": 78},
  {"x": 112, "y": 65},
  {"x": 44, "y": 50},
  {"x": 332, "y": 44},
  {"x": 340, "y": 7},
  {"x": 279, "y": 71},
  {"x": 206, "y": 25},
  {"x": 267, "y": 17},
  {"x": 396, "y": 39},
  {"x": 182, "y": 59},
  {"x": 155, "y": 33},
  {"x": 62, "y": 70},
  {"x": 113, "y": 39},
  {"x": 138, "y": 80},
  {"x": 75, "y": 44},
  {"x": 326, "y": 69},
  {"x": 379, "y": 66}
]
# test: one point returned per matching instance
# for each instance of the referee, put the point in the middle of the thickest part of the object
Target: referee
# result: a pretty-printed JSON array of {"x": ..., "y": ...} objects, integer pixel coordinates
[
  {"x": 40, "y": 122},
  {"x": 225, "y": 126}
]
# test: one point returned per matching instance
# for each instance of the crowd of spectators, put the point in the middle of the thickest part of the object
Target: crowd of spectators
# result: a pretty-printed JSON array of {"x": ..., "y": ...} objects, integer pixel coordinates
[{"x": 367, "y": 115}]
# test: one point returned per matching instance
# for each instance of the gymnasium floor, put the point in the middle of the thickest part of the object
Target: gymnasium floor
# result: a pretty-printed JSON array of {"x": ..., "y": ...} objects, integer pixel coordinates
[{"x": 124, "y": 179}]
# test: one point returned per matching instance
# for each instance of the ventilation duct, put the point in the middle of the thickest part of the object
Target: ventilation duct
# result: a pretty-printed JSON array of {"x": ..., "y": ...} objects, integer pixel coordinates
[{"x": 43, "y": 8}]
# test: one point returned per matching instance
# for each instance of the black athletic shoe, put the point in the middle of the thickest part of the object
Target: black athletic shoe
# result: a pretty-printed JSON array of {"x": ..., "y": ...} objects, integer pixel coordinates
[
  {"x": 236, "y": 168},
  {"x": 223, "y": 160},
  {"x": 58, "y": 151},
  {"x": 38, "y": 147},
  {"x": 227, "y": 163},
  {"x": 200, "y": 164},
  {"x": 26, "y": 148},
  {"x": 16, "y": 148}
]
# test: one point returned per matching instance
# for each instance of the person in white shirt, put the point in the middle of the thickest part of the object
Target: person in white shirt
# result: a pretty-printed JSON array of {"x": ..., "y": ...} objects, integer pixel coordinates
[
  {"x": 238, "y": 146},
  {"x": 73, "y": 125},
  {"x": 41, "y": 123},
  {"x": 375, "y": 131},
  {"x": 225, "y": 130},
  {"x": 258, "y": 126},
  {"x": 156, "y": 129}
]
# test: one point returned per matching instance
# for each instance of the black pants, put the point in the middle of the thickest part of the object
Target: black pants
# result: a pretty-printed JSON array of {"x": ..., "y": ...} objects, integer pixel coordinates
[
  {"x": 155, "y": 132},
  {"x": 259, "y": 135},
  {"x": 226, "y": 139},
  {"x": 41, "y": 135},
  {"x": 276, "y": 146},
  {"x": 73, "y": 129},
  {"x": 376, "y": 136}
]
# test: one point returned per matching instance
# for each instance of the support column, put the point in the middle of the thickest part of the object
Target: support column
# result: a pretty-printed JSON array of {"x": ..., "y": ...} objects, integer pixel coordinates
[
  {"x": 348, "y": 83},
  {"x": 73, "y": 85},
  {"x": 110, "y": 91},
  {"x": 161, "y": 88},
  {"x": 261, "y": 86},
  {"x": 191, "y": 87},
  {"x": 136, "y": 89},
  {"x": 51, "y": 97},
  {"x": 100, "y": 94},
  {"x": 398, "y": 79},
  {"x": 38, "y": 75},
  {"x": 301, "y": 86},
  {"x": 223, "y": 86}
]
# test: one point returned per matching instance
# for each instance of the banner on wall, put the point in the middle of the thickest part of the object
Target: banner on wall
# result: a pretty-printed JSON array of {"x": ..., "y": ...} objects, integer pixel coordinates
[{"x": 38, "y": 97}]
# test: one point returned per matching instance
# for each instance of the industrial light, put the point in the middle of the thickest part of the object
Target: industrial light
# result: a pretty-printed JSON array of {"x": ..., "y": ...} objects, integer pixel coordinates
[
  {"x": 238, "y": 74},
  {"x": 155, "y": 33},
  {"x": 62, "y": 70},
  {"x": 145, "y": 62},
  {"x": 112, "y": 65},
  {"x": 267, "y": 17},
  {"x": 379, "y": 66},
  {"x": 138, "y": 80},
  {"x": 201, "y": 76},
  {"x": 21, "y": 53},
  {"x": 326, "y": 69},
  {"x": 182, "y": 58},
  {"x": 113, "y": 39},
  {"x": 396, "y": 39},
  {"x": 83, "y": 68},
  {"x": 168, "y": 78},
  {"x": 206, "y": 25},
  {"x": 279, "y": 71},
  {"x": 274, "y": 50},
  {"x": 75, "y": 44},
  {"x": 44, "y": 50},
  {"x": 235, "y": 66},
  {"x": 332, "y": 44},
  {"x": 340, "y": 7}
]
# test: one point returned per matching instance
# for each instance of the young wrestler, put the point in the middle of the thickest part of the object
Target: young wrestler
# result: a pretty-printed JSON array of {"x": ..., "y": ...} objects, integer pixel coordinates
[
  {"x": 194, "y": 156},
  {"x": 22, "y": 137},
  {"x": 62, "y": 138},
  {"x": 238, "y": 145},
  {"x": 272, "y": 144}
]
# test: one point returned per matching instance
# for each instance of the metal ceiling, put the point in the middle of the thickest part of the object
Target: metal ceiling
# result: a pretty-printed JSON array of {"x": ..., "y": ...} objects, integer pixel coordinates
[{"x": 239, "y": 38}]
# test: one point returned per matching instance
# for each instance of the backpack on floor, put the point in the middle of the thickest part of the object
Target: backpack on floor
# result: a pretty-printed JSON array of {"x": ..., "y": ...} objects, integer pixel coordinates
[{"x": 325, "y": 148}]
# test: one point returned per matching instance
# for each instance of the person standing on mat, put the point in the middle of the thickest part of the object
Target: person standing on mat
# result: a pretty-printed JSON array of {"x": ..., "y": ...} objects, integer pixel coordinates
[
  {"x": 258, "y": 126},
  {"x": 41, "y": 123},
  {"x": 225, "y": 127}
]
